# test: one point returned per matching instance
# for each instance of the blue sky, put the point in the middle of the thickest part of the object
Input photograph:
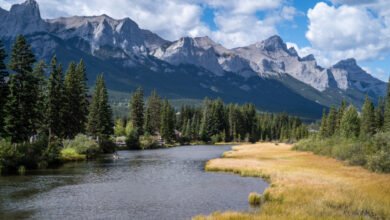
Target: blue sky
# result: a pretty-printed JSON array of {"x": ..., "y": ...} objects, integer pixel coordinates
[{"x": 330, "y": 29}]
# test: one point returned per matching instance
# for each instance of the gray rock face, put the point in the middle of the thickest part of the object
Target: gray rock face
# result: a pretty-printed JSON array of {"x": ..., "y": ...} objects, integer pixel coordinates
[
  {"x": 190, "y": 51},
  {"x": 349, "y": 75},
  {"x": 104, "y": 32},
  {"x": 272, "y": 57},
  {"x": 123, "y": 40},
  {"x": 22, "y": 18}
]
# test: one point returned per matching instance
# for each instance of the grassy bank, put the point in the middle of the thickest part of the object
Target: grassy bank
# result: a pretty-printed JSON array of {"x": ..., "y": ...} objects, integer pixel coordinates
[{"x": 305, "y": 186}]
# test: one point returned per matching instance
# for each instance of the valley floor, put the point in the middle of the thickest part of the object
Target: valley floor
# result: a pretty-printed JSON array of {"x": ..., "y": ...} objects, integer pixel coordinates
[{"x": 304, "y": 185}]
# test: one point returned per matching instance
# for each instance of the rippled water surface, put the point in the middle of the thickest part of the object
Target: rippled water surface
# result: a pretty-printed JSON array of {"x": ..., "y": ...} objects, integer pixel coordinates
[{"x": 156, "y": 184}]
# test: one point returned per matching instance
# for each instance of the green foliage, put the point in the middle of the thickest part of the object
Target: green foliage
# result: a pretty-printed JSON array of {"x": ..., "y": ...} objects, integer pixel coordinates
[
  {"x": 71, "y": 154},
  {"x": 386, "y": 125},
  {"x": 350, "y": 123},
  {"x": 132, "y": 140},
  {"x": 76, "y": 99},
  {"x": 21, "y": 105},
  {"x": 119, "y": 129},
  {"x": 153, "y": 114},
  {"x": 148, "y": 142},
  {"x": 3, "y": 88},
  {"x": 168, "y": 116},
  {"x": 368, "y": 124},
  {"x": 100, "y": 123},
  {"x": 82, "y": 145},
  {"x": 372, "y": 153},
  {"x": 137, "y": 110},
  {"x": 379, "y": 161},
  {"x": 56, "y": 98}
]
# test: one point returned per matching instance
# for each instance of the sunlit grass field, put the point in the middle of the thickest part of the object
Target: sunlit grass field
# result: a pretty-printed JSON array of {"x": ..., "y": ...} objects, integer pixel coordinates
[{"x": 305, "y": 186}]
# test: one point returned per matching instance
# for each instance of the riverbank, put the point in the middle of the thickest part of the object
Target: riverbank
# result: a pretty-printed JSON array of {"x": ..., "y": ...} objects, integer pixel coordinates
[{"x": 304, "y": 185}]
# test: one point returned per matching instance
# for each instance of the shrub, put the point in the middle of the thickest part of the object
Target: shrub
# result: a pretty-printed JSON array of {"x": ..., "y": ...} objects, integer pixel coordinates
[
  {"x": 70, "y": 154},
  {"x": 10, "y": 157},
  {"x": 148, "y": 142},
  {"x": 254, "y": 199},
  {"x": 132, "y": 141},
  {"x": 82, "y": 145},
  {"x": 107, "y": 146},
  {"x": 53, "y": 152},
  {"x": 379, "y": 162}
]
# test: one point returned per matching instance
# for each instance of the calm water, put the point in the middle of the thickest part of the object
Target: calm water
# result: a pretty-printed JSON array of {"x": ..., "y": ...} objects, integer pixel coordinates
[{"x": 158, "y": 184}]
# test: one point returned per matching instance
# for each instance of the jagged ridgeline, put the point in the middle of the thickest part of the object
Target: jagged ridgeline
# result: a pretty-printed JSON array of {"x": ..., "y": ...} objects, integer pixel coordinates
[{"x": 267, "y": 73}]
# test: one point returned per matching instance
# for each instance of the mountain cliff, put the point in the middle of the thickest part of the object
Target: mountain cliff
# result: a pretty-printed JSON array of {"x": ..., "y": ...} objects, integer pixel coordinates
[{"x": 266, "y": 73}]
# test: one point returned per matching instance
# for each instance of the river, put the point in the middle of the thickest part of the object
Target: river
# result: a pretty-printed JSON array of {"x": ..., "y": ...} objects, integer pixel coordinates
[{"x": 155, "y": 184}]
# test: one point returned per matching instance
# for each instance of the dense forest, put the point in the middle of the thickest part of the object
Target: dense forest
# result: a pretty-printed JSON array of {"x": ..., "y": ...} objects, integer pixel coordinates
[
  {"x": 156, "y": 123},
  {"x": 48, "y": 116},
  {"x": 361, "y": 138},
  {"x": 44, "y": 112}
]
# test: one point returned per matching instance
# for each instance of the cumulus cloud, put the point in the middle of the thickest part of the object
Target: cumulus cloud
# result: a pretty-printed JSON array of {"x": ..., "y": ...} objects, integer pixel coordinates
[
  {"x": 237, "y": 22},
  {"x": 350, "y": 30}
]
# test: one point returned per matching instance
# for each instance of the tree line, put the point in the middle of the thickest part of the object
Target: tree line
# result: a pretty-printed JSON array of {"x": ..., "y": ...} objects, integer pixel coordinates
[
  {"x": 361, "y": 138},
  {"x": 213, "y": 122},
  {"x": 36, "y": 109}
]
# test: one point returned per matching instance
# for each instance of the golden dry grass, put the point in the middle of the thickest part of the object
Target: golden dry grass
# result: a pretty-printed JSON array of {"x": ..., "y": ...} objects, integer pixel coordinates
[{"x": 306, "y": 186}]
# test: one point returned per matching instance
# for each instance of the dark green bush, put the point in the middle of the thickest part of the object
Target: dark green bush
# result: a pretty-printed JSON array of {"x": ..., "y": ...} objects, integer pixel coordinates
[
  {"x": 132, "y": 140},
  {"x": 371, "y": 152}
]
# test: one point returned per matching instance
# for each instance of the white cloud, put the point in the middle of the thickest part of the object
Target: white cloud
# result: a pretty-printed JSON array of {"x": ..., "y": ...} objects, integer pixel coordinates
[
  {"x": 236, "y": 21},
  {"x": 339, "y": 32}
]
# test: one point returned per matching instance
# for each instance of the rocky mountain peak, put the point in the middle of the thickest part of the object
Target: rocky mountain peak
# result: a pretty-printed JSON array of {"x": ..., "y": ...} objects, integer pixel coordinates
[
  {"x": 29, "y": 8},
  {"x": 346, "y": 64},
  {"x": 274, "y": 43},
  {"x": 22, "y": 18}
]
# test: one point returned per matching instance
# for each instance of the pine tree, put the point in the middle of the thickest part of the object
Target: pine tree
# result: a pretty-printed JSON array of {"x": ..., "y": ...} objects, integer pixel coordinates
[
  {"x": 21, "y": 106},
  {"x": 56, "y": 105},
  {"x": 331, "y": 122},
  {"x": 153, "y": 114},
  {"x": 137, "y": 110},
  {"x": 386, "y": 124},
  {"x": 3, "y": 88},
  {"x": 368, "y": 118},
  {"x": 340, "y": 114},
  {"x": 76, "y": 99},
  {"x": 82, "y": 115},
  {"x": 324, "y": 125},
  {"x": 350, "y": 123},
  {"x": 100, "y": 123},
  {"x": 379, "y": 114},
  {"x": 119, "y": 128},
  {"x": 167, "y": 129},
  {"x": 41, "y": 94}
]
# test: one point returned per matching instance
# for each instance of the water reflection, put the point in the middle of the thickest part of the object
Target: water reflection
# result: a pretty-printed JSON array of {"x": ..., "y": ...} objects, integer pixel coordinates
[{"x": 157, "y": 184}]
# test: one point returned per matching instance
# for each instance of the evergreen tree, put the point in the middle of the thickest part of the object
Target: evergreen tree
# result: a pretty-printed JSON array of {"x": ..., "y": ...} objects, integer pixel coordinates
[
  {"x": 3, "y": 88},
  {"x": 82, "y": 115},
  {"x": 350, "y": 123},
  {"x": 56, "y": 105},
  {"x": 153, "y": 114},
  {"x": 21, "y": 107},
  {"x": 100, "y": 123},
  {"x": 368, "y": 118},
  {"x": 76, "y": 99},
  {"x": 119, "y": 129},
  {"x": 379, "y": 114},
  {"x": 324, "y": 125},
  {"x": 331, "y": 121},
  {"x": 167, "y": 129},
  {"x": 41, "y": 94},
  {"x": 386, "y": 124},
  {"x": 137, "y": 110},
  {"x": 340, "y": 114}
]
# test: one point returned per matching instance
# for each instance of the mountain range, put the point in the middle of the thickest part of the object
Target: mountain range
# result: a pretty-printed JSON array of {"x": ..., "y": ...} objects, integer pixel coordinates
[{"x": 267, "y": 73}]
